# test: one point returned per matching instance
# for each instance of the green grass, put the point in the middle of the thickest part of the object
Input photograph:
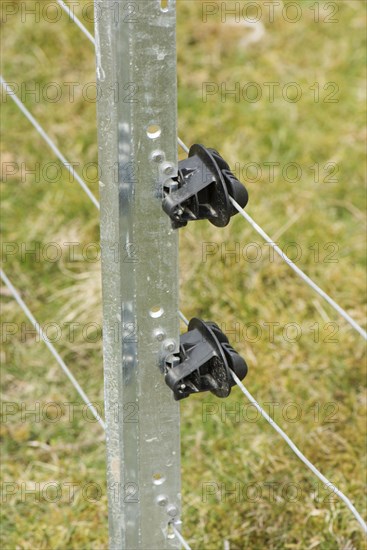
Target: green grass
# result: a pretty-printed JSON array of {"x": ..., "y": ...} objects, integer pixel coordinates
[{"x": 218, "y": 451}]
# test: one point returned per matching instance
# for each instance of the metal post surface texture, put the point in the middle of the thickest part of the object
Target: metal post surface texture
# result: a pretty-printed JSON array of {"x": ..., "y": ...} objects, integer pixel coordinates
[{"x": 137, "y": 122}]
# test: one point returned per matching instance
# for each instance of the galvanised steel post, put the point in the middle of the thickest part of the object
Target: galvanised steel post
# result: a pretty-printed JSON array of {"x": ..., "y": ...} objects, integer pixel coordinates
[{"x": 137, "y": 125}]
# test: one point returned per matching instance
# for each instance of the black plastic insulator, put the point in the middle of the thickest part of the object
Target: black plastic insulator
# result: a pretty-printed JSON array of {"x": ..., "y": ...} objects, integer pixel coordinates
[
  {"x": 203, "y": 187},
  {"x": 204, "y": 362}
]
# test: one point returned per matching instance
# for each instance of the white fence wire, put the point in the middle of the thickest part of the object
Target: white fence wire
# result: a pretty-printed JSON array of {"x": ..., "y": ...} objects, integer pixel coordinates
[
  {"x": 49, "y": 141},
  {"x": 77, "y": 21},
  {"x": 300, "y": 455},
  {"x": 51, "y": 347},
  {"x": 299, "y": 271}
]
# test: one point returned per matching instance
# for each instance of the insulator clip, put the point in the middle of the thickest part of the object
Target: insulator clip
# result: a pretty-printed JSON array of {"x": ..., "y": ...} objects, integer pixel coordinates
[
  {"x": 204, "y": 362},
  {"x": 202, "y": 190}
]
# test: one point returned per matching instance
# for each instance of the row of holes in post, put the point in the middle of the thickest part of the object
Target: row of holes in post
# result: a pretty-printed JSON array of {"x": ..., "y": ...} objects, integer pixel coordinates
[{"x": 153, "y": 132}]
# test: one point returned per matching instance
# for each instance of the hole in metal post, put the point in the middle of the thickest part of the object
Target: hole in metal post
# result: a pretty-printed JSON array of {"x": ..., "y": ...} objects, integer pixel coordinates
[
  {"x": 158, "y": 479},
  {"x": 156, "y": 312},
  {"x": 164, "y": 5},
  {"x": 170, "y": 531},
  {"x": 153, "y": 131}
]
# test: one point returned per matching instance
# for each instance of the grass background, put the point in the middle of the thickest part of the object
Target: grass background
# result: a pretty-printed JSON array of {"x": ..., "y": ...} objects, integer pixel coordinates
[{"x": 220, "y": 449}]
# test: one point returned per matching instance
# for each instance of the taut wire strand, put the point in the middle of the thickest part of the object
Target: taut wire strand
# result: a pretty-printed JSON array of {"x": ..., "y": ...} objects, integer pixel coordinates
[
  {"x": 52, "y": 349},
  {"x": 300, "y": 455},
  {"x": 180, "y": 537},
  {"x": 77, "y": 21},
  {"x": 299, "y": 271},
  {"x": 49, "y": 142}
]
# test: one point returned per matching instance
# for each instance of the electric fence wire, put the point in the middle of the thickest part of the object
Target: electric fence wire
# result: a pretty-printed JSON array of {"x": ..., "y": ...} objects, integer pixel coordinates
[
  {"x": 299, "y": 271},
  {"x": 180, "y": 537},
  {"x": 300, "y": 455},
  {"x": 77, "y": 21},
  {"x": 49, "y": 141},
  {"x": 183, "y": 318},
  {"x": 50, "y": 346},
  {"x": 182, "y": 145}
]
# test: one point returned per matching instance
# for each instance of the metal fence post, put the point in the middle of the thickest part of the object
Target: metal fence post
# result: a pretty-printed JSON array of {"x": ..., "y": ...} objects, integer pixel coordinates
[{"x": 136, "y": 76}]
